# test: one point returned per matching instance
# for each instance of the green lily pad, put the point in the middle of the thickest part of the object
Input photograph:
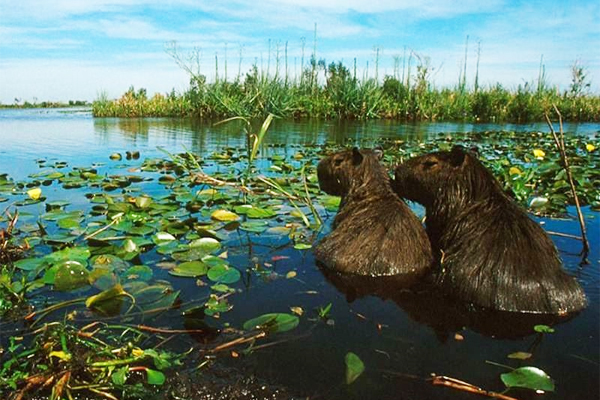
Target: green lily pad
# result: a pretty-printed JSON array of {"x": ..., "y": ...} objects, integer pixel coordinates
[
  {"x": 254, "y": 226},
  {"x": 30, "y": 264},
  {"x": 207, "y": 244},
  {"x": 106, "y": 295},
  {"x": 528, "y": 377},
  {"x": 272, "y": 322},
  {"x": 155, "y": 377},
  {"x": 223, "y": 274},
  {"x": 224, "y": 215},
  {"x": 70, "y": 275},
  {"x": 260, "y": 213},
  {"x": 139, "y": 272},
  {"x": 190, "y": 269},
  {"x": 354, "y": 367}
]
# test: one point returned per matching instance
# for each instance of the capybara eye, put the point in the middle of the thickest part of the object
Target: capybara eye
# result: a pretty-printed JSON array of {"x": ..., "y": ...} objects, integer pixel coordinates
[
  {"x": 337, "y": 162},
  {"x": 429, "y": 163}
]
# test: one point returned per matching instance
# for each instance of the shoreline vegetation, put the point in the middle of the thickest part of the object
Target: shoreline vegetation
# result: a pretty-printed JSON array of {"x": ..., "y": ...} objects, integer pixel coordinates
[
  {"x": 336, "y": 91},
  {"x": 46, "y": 104}
]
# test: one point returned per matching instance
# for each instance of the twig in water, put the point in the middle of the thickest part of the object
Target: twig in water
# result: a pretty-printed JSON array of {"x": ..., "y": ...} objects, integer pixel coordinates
[
  {"x": 560, "y": 144},
  {"x": 466, "y": 387},
  {"x": 237, "y": 341},
  {"x": 565, "y": 235}
]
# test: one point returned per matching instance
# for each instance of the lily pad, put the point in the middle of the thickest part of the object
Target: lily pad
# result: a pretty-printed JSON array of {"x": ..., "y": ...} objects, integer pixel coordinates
[
  {"x": 223, "y": 274},
  {"x": 70, "y": 275},
  {"x": 260, "y": 213},
  {"x": 273, "y": 322},
  {"x": 106, "y": 295},
  {"x": 354, "y": 367},
  {"x": 190, "y": 269},
  {"x": 224, "y": 215},
  {"x": 528, "y": 377}
]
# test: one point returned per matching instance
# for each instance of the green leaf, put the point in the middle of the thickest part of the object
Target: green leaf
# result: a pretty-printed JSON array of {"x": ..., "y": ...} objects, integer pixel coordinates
[
  {"x": 155, "y": 377},
  {"x": 272, "y": 322},
  {"x": 223, "y": 274},
  {"x": 519, "y": 355},
  {"x": 106, "y": 295},
  {"x": 543, "y": 329},
  {"x": 119, "y": 377},
  {"x": 70, "y": 275},
  {"x": 68, "y": 223},
  {"x": 254, "y": 226},
  {"x": 162, "y": 238},
  {"x": 143, "y": 202},
  {"x": 139, "y": 272},
  {"x": 354, "y": 367},
  {"x": 207, "y": 244},
  {"x": 259, "y": 213},
  {"x": 528, "y": 377},
  {"x": 224, "y": 215},
  {"x": 302, "y": 246},
  {"x": 190, "y": 269},
  {"x": 222, "y": 288},
  {"x": 29, "y": 264}
]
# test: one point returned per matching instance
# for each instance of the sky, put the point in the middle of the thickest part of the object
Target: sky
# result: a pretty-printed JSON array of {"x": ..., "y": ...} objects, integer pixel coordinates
[{"x": 78, "y": 50}]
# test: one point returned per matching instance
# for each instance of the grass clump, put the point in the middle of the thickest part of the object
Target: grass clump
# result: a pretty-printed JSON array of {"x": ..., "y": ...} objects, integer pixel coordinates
[{"x": 334, "y": 91}]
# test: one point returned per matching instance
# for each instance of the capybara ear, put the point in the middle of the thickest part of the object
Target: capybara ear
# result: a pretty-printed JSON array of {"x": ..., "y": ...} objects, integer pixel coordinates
[
  {"x": 474, "y": 150},
  {"x": 457, "y": 155},
  {"x": 378, "y": 151},
  {"x": 356, "y": 156}
]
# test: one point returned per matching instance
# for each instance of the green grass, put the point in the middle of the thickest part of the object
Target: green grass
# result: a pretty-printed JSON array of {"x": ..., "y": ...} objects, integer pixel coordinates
[{"x": 333, "y": 91}]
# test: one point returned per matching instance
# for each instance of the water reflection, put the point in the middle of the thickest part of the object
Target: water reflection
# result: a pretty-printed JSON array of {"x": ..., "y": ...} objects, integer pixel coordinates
[{"x": 427, "y": 306}]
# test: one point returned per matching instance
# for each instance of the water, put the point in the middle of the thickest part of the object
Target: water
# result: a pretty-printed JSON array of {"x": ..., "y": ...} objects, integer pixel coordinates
[{"x": 401, "y": 339}]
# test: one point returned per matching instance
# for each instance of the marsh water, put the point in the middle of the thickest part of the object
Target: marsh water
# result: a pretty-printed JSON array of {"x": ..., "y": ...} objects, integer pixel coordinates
[{"x": 401, "y": 338}]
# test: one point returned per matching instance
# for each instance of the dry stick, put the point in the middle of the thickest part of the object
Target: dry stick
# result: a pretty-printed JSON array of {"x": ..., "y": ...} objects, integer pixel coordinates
[
  {"x": 239, "y": 340},
  {"x": 560, "y": 143},
  {"x": 566, "y": 235},
  {"x": 170, "y": 331},
  {"x": 467, "y": 387}
]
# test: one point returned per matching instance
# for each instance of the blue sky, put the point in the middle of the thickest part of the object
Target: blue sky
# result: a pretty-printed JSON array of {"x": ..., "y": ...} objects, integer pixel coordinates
[{"x": 74, "y": 49}]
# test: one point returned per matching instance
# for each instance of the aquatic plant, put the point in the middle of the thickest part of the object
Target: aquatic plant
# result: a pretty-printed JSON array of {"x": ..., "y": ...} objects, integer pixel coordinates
[
  {"x": 89, "y": 296},
  {"x": 328, "y": 91}
]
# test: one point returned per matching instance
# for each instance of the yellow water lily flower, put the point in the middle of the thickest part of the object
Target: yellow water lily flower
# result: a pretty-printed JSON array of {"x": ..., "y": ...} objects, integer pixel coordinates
[
  {"x": 539, "y": 153},
  {"x": 590, "y": 147},
  {"x": 514, "y": 171},
  {"x": 35, "y": 193}
]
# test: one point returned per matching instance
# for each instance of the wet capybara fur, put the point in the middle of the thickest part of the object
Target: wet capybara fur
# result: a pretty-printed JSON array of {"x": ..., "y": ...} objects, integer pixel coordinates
[
  {"x": 490, "y": 252},
  {"x": 374, "y": 232}
]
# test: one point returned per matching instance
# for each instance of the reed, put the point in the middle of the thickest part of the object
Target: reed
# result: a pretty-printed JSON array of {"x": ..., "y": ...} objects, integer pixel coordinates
[{"x": 329, "y": 91}]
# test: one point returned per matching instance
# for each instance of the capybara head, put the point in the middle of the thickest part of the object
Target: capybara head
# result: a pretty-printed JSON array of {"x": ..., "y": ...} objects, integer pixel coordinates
[
  {"x": 340, "y": 171},
  {"x": 455, "y": 175}
]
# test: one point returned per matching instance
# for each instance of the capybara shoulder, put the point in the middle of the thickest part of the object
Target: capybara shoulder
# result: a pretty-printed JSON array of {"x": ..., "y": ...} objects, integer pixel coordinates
[
  {"x": 490, "y": 252},
  {"x": 374, "y": 232}
]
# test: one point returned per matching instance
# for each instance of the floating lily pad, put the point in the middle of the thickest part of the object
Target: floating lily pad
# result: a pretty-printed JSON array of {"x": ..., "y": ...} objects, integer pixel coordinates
[
  {"x": 354, "y": 367},
  {"x": 273, "y": 322},
  {"x": 139, "y": 272},
  {"x": 223, "y": 274},
  {"x": 254, "y": 226},
  {"x": 528, "y": 377},
  {"x": 70, "y": 275},
  {"x": 224, "y": 215},
  {"x": 190, "y": 269},
  {"x": 258, "y": 213}
]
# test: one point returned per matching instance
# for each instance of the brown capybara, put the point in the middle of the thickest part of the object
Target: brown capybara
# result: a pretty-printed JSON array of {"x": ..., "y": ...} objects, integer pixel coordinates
[
  {"x": 374, "y": 232},
  {"x": 490, "y": 252}
]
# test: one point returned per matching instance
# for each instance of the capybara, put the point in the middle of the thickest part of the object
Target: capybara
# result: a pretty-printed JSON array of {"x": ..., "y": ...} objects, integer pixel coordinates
[
  {"x": 490, "y": 252},
  {"x": 374, "y": 232}
]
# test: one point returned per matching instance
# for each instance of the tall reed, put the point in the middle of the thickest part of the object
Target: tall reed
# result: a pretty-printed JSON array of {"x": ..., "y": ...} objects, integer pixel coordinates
[{"x": 322, "y": 90}]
